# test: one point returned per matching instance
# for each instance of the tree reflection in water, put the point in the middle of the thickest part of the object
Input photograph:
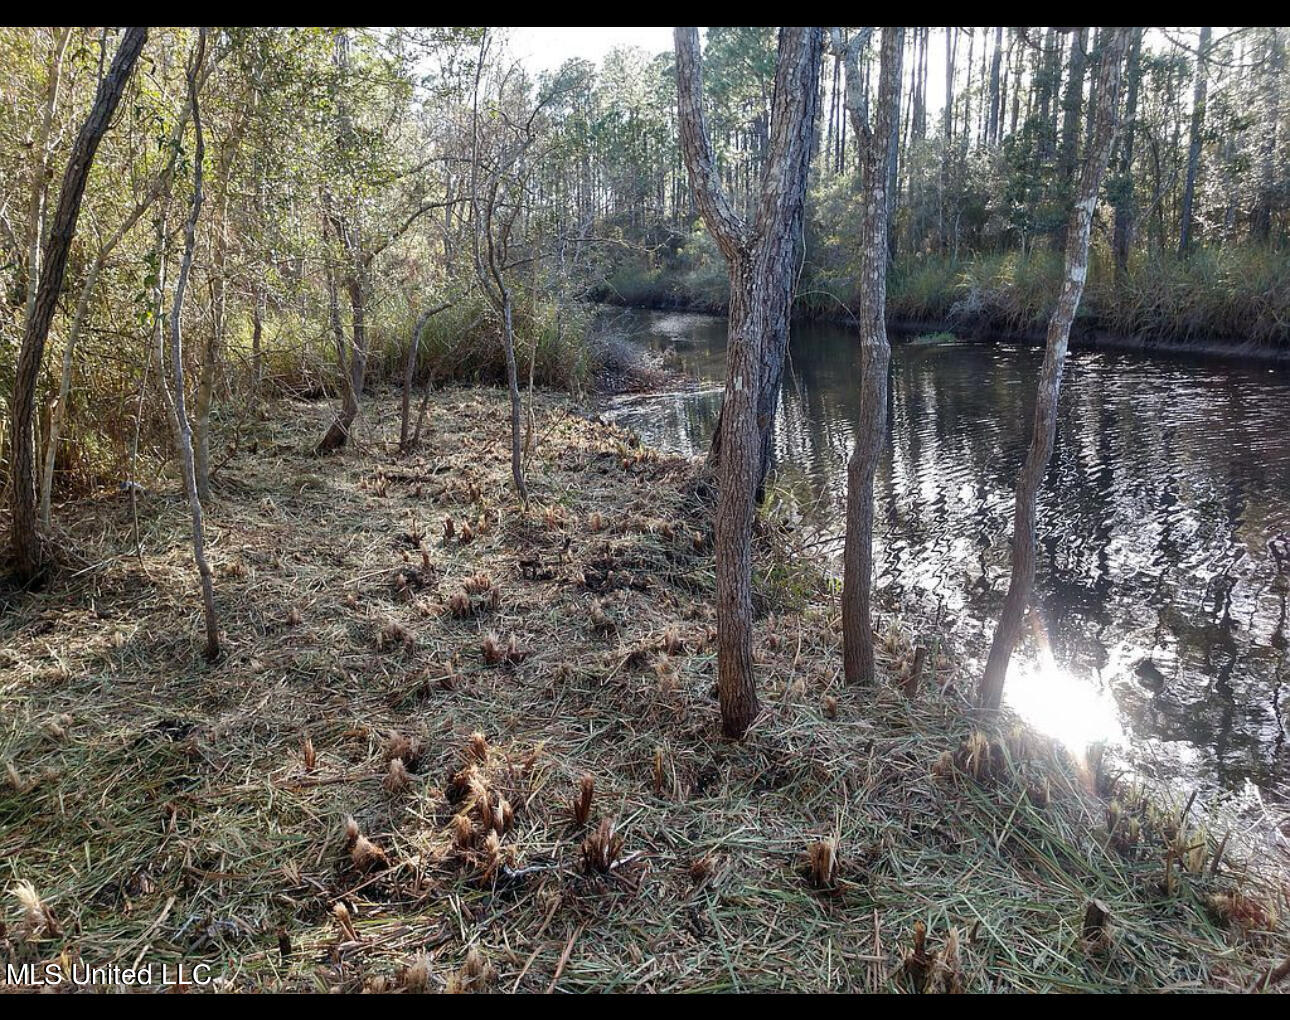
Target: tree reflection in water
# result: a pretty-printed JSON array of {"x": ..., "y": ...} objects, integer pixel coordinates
[{"x": 1164, "y": 556}]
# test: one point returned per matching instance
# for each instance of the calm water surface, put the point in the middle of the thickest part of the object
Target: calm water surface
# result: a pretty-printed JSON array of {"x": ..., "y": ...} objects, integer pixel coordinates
[{"x": 1164, "y": 523}]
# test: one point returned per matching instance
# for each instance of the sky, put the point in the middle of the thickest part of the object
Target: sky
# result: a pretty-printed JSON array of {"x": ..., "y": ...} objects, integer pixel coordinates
[{"x": 545, "y": 49}]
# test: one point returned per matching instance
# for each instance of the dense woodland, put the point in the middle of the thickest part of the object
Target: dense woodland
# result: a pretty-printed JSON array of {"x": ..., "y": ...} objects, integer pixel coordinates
[
  {"x": 367, "y": 165},
  {"x": 246, "y": 265}
]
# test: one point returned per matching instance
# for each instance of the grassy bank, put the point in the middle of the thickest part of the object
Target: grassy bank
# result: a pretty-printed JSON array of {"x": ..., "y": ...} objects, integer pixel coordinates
[
  {"x": 462, "y": 344},
  {"x": 1237, "y": 297},
  {"x": 450, "y": 694}
]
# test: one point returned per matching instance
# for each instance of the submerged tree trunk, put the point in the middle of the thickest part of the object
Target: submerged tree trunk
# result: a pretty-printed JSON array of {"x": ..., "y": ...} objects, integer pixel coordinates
[
  {"x": 1097, "y": 152},
  {"x": 25, "y": 537},
  {"x": 877, "y": 155},
  {"x": 1193, "y": 150},
  {"x": 183, "y": 429},
  {"x": 760, "y": 263}
]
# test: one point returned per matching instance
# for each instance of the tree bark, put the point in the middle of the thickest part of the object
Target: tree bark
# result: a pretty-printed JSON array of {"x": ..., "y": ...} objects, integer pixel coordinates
[
  {"x": 760, "y": 266},
  {"x": 1271, "y": 82},
  {"x": 40, "y": 173},
  {"x": 1072, "y": 107},
  {"x": 1097, "y": 152},
  {"x": 992, "y": 125},
  {"x": 409, "y": 371},
  {"x": 1122, "y": 237},
  {"x": 1193, "y": 150},
  {"x": 876, "y": 147},
  {"x": 183, "y": 429},
  {"x": 25, "y": 538}
]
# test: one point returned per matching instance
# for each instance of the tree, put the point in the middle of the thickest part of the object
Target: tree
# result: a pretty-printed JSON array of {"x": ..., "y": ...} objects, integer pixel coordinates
[
  {"x": 876, "y": 154},
  {"x": 760, "y": 261},
  {"x": 25, "y": 538},
  {"x": 1097, "y": 152},
  {"x": 176, "y": 402},
  {"x": 1193, "y": 149},
  {"x": 1122, "y": 191}
]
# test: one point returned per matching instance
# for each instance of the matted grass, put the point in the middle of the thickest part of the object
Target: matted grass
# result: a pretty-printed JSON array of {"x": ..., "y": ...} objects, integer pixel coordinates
[{"x": 164, "y": 810}]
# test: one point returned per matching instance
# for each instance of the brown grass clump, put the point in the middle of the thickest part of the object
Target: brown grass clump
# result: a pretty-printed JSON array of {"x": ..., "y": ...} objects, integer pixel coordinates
[
  {"x": 476, "y": 973},
  {"x": 496, "y": 654},
  {"x": 602, "y": 849},
  {"x": 822, "y": 864},
  {"x": 602, "y": 622},
  {"x": 1249, "y": 913},
  {"x": 459, "y": 604},
  {"x": 363, "y": 853},
  {"x": 580, "y": 806},
  {"x": 937, "y": 970},
  {"x": 396, "y": 779},
  {"x": 478, "y": 584},
  {"x": 37, "y": 919},
  {"x": 415, "y": 977},
  {"x": 394, "y": 634}
]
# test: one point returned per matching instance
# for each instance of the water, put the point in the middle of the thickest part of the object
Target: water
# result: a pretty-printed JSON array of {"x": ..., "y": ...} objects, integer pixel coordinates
[{"x": 1164, "y": 524}]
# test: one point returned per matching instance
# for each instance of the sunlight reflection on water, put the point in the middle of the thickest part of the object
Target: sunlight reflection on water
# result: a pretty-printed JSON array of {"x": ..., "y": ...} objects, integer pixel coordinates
[{"x": 1074, "y": 711}]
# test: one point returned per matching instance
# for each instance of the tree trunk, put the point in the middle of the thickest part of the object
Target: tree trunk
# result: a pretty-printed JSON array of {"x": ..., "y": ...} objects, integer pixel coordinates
[
  {"x": 877, "y": 155},
  {"x": 353, "y": 374},
  {"x": 25, "y": 537},
  {"x": 992, "y": 125},
  {"x": 1271, "y": 79},
  {"x": 409, "y": 370},
  {"x": 759, "y": 261},
  {"x": 1193, "y": 150},
  {"x": 257, "y": 335},
  {"x": 184, "y": 432},
  {"x": 40, "y": 173},
  {"x": 1122, "y": 238},
  {"x": 1072, "y": 107},
  {"x": 513, "y": 383},
  {"x": 1097, "y": 152},
  {"x": 78, "y": 320}
]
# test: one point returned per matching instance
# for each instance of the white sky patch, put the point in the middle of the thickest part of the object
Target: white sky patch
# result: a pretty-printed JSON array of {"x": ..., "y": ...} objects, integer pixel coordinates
[{"x": 545, "y": 49}]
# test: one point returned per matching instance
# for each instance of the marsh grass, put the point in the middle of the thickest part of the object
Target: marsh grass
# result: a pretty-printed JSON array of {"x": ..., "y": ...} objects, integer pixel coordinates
[{"x": 163, "y": 809}]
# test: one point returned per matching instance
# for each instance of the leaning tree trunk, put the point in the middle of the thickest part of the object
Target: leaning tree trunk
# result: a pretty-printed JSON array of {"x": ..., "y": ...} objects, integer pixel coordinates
[
  {"x": 78, "y": 320},
  {"x": 760, "y": 260},
  {"x": 1022, "y": 581},
  {"x": 857, "y": 558},
  {"x": 183, "y": 429},
  {"x": 25, "y": 537},
  {"x": 406, "y": 441}
]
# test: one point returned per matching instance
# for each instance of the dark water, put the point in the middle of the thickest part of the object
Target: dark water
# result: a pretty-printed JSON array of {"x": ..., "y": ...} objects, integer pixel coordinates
[{"x": 1164, "y": 556}]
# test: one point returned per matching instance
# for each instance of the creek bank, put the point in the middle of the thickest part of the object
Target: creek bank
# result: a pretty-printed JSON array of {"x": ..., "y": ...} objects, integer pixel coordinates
[
  {"x": 984, "y": 328},
  {"x": 387, "y": 668}
]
